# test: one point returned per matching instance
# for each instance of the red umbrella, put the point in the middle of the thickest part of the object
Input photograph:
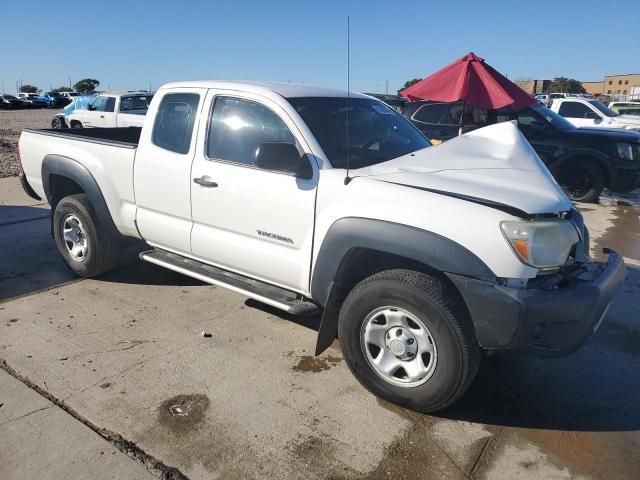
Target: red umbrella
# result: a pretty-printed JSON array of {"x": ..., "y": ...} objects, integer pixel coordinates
[{"x": 470, "y": 79}]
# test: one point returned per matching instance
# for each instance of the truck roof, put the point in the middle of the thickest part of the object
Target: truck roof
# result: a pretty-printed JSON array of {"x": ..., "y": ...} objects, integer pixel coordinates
[
  {"x": 287, "y": 90},
  {"x": 122, "y": 94}
]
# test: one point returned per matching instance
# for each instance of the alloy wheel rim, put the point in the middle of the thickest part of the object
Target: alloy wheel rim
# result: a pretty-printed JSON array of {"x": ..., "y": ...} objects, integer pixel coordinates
[
  {"x": 75, "y": 238},
  {"x": 398, "y": 346}
]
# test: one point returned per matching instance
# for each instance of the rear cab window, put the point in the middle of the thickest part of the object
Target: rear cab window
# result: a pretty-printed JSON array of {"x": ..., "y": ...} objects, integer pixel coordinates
[{"x": 173, "y": 126}]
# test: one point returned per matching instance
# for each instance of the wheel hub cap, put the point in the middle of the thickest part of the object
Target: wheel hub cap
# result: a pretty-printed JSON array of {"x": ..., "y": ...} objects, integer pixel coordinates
[
  {"x": 401, "y": 342},
  {"x": 398, "y": 346},
  {"x": 75, "y": 237}
]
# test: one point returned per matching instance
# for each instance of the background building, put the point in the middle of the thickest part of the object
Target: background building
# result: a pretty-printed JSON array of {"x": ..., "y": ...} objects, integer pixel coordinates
[
  {"x": 594, "y": 88},
  {"x": 621, "y": 84},
  {"x": 533, "y": 86}
]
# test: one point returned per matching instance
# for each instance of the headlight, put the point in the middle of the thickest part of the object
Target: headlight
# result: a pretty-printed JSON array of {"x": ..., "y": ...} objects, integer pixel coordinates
[
  {"x": 542, "y": 244},
  {"x": 625, "y": 151}
]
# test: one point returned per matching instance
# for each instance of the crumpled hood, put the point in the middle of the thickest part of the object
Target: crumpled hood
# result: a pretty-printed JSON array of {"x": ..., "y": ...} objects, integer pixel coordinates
[{"x": 495, "y": 164}]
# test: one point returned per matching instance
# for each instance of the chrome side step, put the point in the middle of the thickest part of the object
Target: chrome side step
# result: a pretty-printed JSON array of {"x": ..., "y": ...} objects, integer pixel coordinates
[{"x": 281, "y": 298}]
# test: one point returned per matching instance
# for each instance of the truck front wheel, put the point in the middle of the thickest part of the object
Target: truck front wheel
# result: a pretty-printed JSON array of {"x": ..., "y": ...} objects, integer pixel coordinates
[
  {"x": 408, "y": 338},
  {"x": 87, "y": 249}
]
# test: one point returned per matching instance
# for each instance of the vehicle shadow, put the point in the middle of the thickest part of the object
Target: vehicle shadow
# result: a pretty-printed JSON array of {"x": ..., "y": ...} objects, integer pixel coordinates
[
  {"x": 596, "y": 389},
  {"x": 13, "y": 214}
]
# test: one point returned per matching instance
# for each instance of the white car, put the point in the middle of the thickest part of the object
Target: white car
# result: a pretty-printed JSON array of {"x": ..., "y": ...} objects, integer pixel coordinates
[
  {"x": 112, "y": 109},
  {"x": 583, "y": 112},
  {"x": 311, "y": 200}
]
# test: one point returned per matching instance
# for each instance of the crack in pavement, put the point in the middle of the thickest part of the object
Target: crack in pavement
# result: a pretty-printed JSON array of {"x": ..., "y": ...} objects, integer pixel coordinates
[
  {"x": 25, "y": 415},
  {"x": 155, "y": 466}
]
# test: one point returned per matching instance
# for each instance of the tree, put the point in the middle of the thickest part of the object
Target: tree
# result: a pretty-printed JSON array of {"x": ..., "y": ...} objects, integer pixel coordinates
[
  {"x": 408, "y": 83},
  {"x": 565, "y": 85},
  {"x": 28, "y": 89},
  {"x": 62, "y": 89},
  {"x": 86, "y": 85}
]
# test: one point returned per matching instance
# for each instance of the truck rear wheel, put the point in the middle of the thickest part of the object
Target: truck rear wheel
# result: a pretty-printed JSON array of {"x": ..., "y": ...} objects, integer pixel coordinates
[
  {"x": 408, "y": 338},
  {"x": 87, "y": 249}
]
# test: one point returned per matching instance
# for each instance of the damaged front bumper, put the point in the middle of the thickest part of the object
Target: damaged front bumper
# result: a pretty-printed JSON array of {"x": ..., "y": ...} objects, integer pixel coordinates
[{"x": 548, "y": 322}]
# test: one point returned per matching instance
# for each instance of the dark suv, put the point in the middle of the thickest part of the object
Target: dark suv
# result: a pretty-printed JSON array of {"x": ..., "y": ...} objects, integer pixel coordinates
[{"x": 583, "y": 160}]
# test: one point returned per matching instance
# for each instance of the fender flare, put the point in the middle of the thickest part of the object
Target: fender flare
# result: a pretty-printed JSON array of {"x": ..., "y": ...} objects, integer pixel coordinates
[
  {"x": 347, "y": 234},
  {"x": 71, "y": 169},
  {"x": 603, "y": 161}
]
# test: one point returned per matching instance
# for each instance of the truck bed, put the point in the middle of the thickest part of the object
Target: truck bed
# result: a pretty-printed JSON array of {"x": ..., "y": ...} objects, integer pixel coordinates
[
  {"x": 124, "y": 136},
  {"x": 105, "y": 154}
]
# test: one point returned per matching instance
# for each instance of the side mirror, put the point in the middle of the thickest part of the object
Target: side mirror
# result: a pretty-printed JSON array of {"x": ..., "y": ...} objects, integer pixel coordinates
[
  {"x": 91, "y": 108},
  {"x": 279, "y": 157},
  {"x": 591, "y": 116}
]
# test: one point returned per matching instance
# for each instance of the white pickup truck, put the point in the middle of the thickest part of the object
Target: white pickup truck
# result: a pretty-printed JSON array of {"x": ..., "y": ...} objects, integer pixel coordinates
[
  {"x": 312, "y": 200},
  {"x": 111, "y": 110},
  {"x": 583, "y": 112}
]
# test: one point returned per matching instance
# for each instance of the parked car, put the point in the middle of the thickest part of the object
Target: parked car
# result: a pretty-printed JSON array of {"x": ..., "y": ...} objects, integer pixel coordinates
[
  {"x": 54, "y": 99},
  {"x": 69, "y": 95},
  {"x": 78, "y": 103},
  {"x": 583, "y": 161},
  {"x": 625, "y": 108},
  {"x": 397, "y": 102},
  {"x": 543, "y": 98},
  {"x": 592, "y": 113},
  {"x": 11, "y": 101},
  {"x": 110, "y": 110},
  {"x": 32, "y": 100},
  {"x": 418, "y": 256}
]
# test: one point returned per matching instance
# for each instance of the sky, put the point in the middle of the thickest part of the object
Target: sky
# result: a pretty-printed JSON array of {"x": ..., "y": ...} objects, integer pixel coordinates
[{"x": 133, "y": 44}]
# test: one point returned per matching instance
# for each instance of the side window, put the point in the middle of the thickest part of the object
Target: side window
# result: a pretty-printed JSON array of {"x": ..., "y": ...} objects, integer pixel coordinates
[
  {"x": 431, "y": 113},
  {"x": 99, "y": 104},
  {"x": 525, "y": 119},
  {"x": 238, "y": 126},
  {"x": 573, "y": 110},
  {"x": 173, "y": 126},
  {"x": 110, "y": 105}
]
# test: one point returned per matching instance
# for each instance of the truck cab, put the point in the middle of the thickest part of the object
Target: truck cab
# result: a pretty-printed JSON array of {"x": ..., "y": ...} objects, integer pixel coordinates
[
  {"x": 110, "y": 110},
  {"x": 593, "y": 114}
]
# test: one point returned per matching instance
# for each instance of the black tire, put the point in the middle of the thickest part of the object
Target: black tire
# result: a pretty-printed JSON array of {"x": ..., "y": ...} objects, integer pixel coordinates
[
  {"x": 56, "y": 123},
  {"x": 76, "y": 124},
  {"x": 582, "y": 181},
  {"x": 439, "y": 306},
  {"x": 101, "y": 246}
]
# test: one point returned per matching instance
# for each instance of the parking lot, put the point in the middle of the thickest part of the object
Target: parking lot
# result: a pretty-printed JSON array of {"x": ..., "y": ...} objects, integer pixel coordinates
[{"x": 114, "y": 376}]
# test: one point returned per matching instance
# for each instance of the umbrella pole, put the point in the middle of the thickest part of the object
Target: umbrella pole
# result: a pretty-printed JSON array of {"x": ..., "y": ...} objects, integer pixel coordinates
[{"x": 461, "y": 118}]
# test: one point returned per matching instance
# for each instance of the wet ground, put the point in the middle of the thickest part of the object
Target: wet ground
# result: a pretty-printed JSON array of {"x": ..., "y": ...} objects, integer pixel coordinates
[{"x": 123, "y": 356}]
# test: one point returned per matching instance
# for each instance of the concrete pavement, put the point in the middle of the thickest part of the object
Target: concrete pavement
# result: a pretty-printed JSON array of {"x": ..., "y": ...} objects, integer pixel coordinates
[{"x": 125, "y": 352}]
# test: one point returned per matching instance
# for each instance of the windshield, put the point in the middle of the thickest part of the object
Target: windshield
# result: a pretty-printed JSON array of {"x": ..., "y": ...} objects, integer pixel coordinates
[
  {"x": 138, "y": 102},
  {"x": 603, "y": 108},
  {"x": 552, "y": 117},
  {"x": 9, "y": 97},
  {"x": 52, "y": 94},
  {"x": 376, "y": 132}
]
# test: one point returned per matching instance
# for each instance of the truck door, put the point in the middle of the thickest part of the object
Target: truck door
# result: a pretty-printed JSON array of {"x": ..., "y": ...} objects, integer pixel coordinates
[
  {"x": 162, "y": 169},
  {"x": 91, "y": 116},
  {"x": 107, "y": 119},
  {"x": 245, "y": 219},
  {"x": 580, "y": 114}
]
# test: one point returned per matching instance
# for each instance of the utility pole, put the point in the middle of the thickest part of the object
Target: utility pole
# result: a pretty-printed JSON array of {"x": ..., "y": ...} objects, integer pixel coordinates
[
  {"x": 69, "y": 81},
  {"x": 2, "y": 85},
  {"x": 386, "y": 86}
]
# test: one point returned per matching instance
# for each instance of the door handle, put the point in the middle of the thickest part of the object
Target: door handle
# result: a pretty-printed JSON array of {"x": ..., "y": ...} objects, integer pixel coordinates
[
  {"x": 205, "y": 182},
  {"x": 101, "y": 116}
]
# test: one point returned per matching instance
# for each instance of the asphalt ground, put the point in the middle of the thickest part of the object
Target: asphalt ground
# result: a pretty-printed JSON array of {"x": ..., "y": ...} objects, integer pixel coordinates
[{"x": 118, "y": 364}]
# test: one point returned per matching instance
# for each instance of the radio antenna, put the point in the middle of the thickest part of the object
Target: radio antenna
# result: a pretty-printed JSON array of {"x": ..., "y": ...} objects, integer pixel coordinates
[{"x": 346, "y": 178}]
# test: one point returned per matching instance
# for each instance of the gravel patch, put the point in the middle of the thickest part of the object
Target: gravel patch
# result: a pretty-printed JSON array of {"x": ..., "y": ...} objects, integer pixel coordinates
[{"x": 12, "y": 122}]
